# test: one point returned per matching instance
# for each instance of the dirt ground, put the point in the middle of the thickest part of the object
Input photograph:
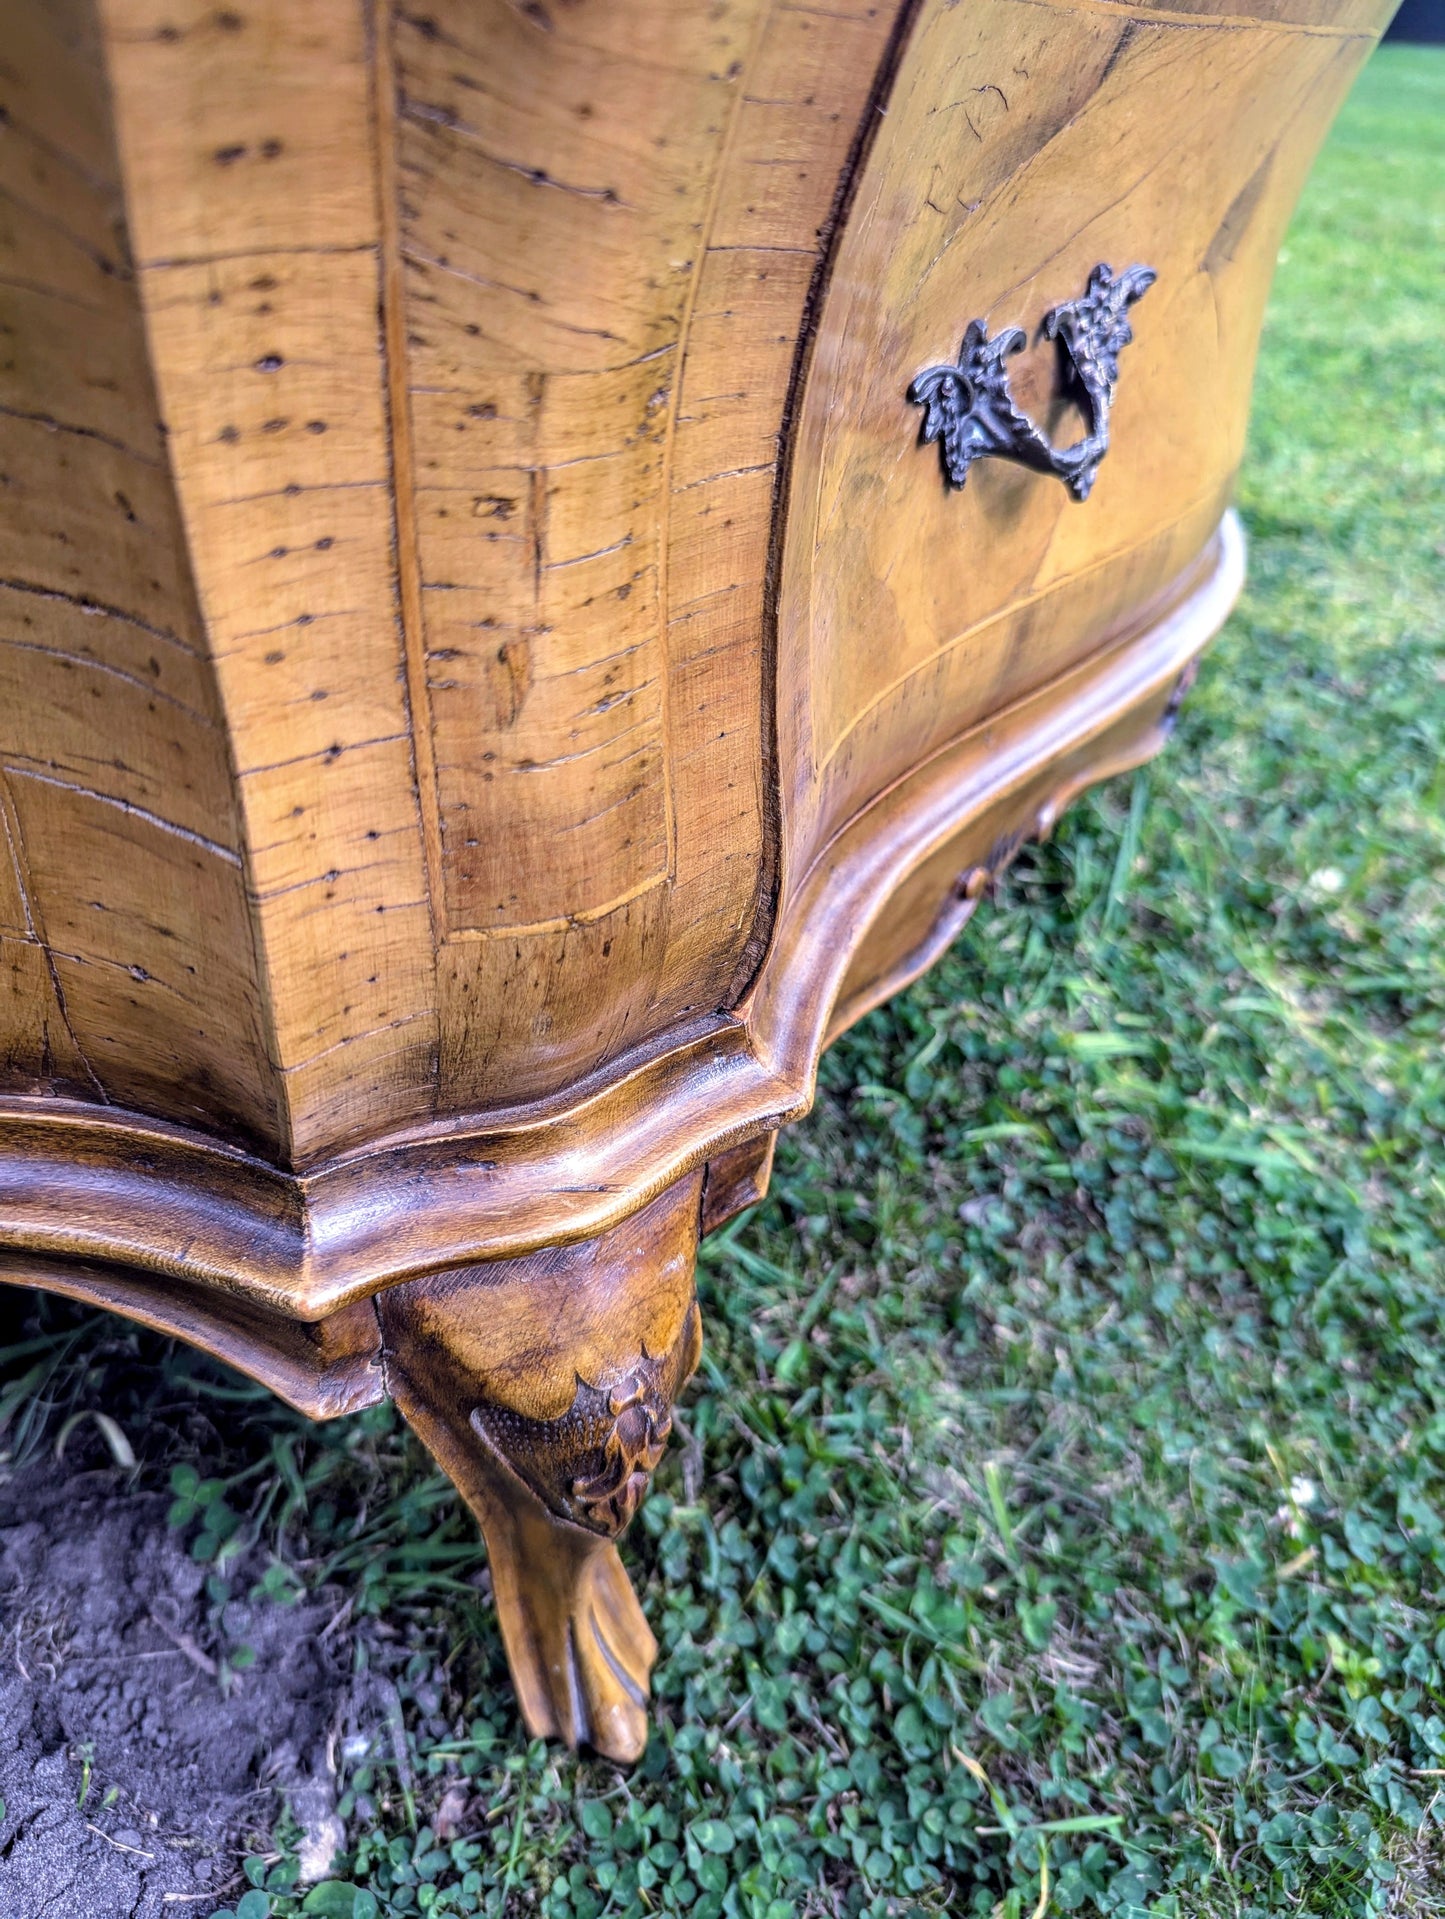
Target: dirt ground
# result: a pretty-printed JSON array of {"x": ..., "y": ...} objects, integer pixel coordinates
[{"x": 133, "y": 1758}]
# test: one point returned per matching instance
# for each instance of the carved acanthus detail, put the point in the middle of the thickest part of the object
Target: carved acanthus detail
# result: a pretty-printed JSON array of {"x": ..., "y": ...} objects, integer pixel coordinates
[
  {"x": 631, "y": 1454},
  {"x": 593, "y": 1465}
]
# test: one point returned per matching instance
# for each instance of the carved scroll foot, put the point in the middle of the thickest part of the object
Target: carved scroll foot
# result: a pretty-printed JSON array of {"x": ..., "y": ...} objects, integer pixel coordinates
[
  {"x": 543, "y": 1387},
  {"x": 580, "y": 1651}
]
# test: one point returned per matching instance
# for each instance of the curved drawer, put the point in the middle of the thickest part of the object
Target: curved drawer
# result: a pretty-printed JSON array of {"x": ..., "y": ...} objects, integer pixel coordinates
[{"x": 1024, "y": 143}]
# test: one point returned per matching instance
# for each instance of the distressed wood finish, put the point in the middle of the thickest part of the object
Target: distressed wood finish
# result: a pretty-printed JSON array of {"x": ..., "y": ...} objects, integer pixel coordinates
[{"x": 491, "y": 680}]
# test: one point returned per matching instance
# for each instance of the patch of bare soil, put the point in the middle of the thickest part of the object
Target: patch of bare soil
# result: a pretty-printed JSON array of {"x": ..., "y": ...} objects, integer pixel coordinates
[{"x": 134, "y": 1755}]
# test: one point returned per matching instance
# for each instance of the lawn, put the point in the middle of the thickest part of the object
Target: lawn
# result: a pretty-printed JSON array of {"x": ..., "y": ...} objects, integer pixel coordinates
[{"x": 1058, "y": 1521}]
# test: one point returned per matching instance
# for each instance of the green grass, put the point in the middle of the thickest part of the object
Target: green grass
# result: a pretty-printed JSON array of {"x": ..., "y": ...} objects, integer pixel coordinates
[{"x": 1064, "y": 1488}]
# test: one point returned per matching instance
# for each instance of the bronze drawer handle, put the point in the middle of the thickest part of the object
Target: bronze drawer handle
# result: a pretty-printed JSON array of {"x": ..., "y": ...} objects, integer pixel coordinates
[{"x": 969, "y": 410}]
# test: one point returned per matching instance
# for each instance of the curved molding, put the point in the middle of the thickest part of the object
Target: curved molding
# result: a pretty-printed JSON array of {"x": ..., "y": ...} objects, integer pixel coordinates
[{"x": 82, "y": 1185}]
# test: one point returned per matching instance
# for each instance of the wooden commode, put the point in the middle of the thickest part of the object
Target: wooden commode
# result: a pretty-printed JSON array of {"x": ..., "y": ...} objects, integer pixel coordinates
[{"x": 549, "y": 550}]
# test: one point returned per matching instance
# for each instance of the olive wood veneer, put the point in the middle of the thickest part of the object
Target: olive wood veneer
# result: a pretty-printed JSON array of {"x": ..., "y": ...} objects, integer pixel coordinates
[{"x": 496, "y": 671}]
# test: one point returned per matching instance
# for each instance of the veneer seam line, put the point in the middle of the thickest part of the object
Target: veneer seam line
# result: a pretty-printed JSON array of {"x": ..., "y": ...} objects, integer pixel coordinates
[
  {"x": 411, "y": 610},
  {"x": 1072, "y": 578},
  {"x": 1200, "y": 22}
]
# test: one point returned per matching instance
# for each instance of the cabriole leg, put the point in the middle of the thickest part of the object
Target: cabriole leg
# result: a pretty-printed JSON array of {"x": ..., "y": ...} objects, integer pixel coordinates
[{"x": 544, "y": 1388}]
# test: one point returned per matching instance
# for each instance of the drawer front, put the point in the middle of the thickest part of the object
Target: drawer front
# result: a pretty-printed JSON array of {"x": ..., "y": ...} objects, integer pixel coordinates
[{"x": 1022, "y": 145}]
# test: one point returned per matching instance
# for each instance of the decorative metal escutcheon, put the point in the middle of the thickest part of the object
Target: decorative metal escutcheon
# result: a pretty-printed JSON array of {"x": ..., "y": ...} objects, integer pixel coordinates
[{"x": 969, "y": 410}]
